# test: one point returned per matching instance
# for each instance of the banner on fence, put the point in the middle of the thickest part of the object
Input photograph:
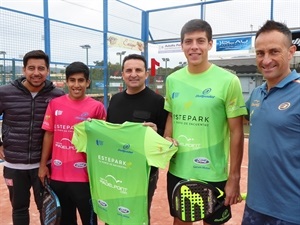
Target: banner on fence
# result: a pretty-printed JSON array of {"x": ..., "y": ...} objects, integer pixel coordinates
[{"x": 233, "y": 44}]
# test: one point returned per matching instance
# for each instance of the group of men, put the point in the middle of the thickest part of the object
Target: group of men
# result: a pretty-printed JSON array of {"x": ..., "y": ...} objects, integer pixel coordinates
[{"x": 202, "y": 114}]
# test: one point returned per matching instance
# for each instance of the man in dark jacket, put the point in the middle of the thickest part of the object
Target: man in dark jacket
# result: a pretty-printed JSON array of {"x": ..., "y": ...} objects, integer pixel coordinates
[{"x": 23, "y": 103}]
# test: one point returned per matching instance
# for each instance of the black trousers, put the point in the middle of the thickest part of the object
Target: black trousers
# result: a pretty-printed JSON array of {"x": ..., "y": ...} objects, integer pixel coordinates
[
  {"x": 19, "y": 183},
  {"x": 72, "y": 196}
]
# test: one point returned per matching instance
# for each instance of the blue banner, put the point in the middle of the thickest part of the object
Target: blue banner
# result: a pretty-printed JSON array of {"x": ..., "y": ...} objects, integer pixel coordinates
[{"x": 233, "y": 44}]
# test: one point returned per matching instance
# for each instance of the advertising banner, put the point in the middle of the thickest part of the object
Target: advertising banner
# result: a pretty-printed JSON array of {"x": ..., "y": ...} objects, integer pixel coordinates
[
  {"x": 123, "y": 42},
  {"x": 169, "y": 48},
  {"x": 233, "y": 44}
]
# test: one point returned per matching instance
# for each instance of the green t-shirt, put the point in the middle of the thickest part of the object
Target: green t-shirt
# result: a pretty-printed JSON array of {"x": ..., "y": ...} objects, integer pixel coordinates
[
  {"x": 119, "y": 157},
  {"x": 200, "y": 106}
]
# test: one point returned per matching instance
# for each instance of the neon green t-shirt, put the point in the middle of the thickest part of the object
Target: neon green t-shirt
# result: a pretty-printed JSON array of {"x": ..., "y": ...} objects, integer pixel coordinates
[
  {"x": 200, "y": 106},
  {"x": 119, "y": 157}
]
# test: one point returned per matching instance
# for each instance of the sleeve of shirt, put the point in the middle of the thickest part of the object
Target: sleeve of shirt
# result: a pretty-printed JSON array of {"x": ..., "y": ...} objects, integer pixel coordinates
[
  {"x": 168, "y": 99},
  {"x": 79, "y": 138},
  {"x": 48, "y": 123},
  {"x": 235, "y": 103},
  {"x": 158, "y": 150}
]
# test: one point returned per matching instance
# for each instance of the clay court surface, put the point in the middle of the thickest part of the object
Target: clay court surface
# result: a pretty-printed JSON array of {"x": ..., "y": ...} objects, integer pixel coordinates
[{"x": 159, "y": 211}]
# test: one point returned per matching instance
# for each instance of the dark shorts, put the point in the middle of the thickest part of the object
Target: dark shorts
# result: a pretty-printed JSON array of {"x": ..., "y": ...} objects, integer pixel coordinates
[
  {"x": 221, "y": 216},
  {"x": 252, "y": 217}
]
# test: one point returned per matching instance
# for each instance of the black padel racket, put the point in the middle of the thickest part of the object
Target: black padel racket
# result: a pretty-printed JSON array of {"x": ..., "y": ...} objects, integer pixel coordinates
[
  {"x": 196, "y": 200},
  {"x": 51, "y": 211}
]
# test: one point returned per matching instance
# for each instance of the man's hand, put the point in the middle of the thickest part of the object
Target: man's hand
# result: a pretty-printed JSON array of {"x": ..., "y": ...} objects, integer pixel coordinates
[
  {"x": 174, "y": 142},
  {"x": 152, "y": 125},
  {"x": 43, "y": 172},
  {"x": 232, "y": 190}
]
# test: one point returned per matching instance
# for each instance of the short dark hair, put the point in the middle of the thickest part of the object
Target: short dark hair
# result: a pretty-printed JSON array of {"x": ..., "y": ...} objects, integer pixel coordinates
[
  {"x": 77, "y": 67},
  {"x": 196, "y": 25},
  {"x": 36, "y": 54},
  {"x": 272, "y": 25},
  {"x": 134, "y": 56}
]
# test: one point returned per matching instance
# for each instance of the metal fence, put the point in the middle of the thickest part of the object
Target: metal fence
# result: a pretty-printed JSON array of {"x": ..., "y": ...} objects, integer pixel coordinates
[{"x": 68, "y": 31}]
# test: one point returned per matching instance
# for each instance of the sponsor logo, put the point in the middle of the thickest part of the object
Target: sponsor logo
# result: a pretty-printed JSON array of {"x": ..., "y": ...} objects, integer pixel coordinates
[
  {"x": 102, "y": 203},
  {"x": 205, "y": 94},
  {"x": 255, "y": 103},
  {"x": 58, "y": 112},
  {"x": 191, "y": 118},
  {"x": 83, "y": 116},
  {"x": 225, "y": 215},
  {"x": 113, "y": 161},
  {"x": 175, "y": 95},
  {"x": 123, "y": 210},
  {"x": 201, "y": 160},
  {"x": 185, "y": 141},
  {"x": 99, "y": 142},
  {"x": 63, "y": 128},
  {"x": 111, "y": 182},
  {"x": 284, "y": 105},
  {"x": 65, "y": 144},
  {"x": 125, "y": 149},
  {"x": 80, "y": 165},
  {"x": 57, "y": 162}
]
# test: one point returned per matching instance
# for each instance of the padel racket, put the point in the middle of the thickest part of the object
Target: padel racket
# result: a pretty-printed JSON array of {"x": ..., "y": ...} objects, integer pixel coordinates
[
  {"x": 51, "y": 211},
  {"x": 196, "y": 200}
]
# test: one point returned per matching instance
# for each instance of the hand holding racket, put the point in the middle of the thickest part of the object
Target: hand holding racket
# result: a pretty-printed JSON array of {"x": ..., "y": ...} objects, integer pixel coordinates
[
  {"x": 196, "y": 200},
  {"x": 51, "y": 210}
]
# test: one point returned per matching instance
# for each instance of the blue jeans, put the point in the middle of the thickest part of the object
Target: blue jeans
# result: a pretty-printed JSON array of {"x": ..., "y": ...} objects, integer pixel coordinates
[
  {"x": 19, "y": 183},
  {"x": 252, "y": 217}
]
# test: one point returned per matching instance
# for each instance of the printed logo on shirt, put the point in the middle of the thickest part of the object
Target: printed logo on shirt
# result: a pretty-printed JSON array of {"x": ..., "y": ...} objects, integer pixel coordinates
[
  {"x": 111, "y": 182},
  {"x": 255, "y": 103},
  {"x": 125, "y": 149},
  {"x": 83, "y": 116},
  {"x": 58, "y": 112},
  {"x": 102, "y": 203},
  {"x": 99, "y": 142},
  {"x": 80, "y": 165},
  {"x": 57, "y": 162},
  {"x": 63, "y": 128},
  {"x": 205, "y": 94},
  {"x": 175, "y": 95},
  {"x": 65, "y": 144},
  {"x": 284, "y": 105},
  {"x": 185, "y": 141},
  {"x": 114, "y": 162},
  {"x": 123, "y": 210},
  {"x": 47, "y": 117},
  {"x": 201, "y": 160}
]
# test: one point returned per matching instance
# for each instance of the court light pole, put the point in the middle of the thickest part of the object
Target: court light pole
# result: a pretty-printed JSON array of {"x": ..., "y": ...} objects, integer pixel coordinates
[
  {"x": 182, "y": 64},
  {"x": 3, "y": 75},
  {"x": 166, "y": 60},
  {"x": 120, "y": 54},
  {"x": 86, "y": 47}
]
